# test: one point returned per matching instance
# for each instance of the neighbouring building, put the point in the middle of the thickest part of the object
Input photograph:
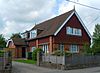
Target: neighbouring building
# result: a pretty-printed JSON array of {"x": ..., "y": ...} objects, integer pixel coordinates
[
  {"x": 18, "y": 46},
  {"x": 65, "y": 32}
]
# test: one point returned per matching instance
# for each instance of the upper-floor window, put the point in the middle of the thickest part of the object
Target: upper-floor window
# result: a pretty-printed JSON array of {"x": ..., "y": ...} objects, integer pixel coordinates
[
  {"x": 77, "y": 31},
  {"x": 33, "y": 33},
  {"x": 69, "y": 30},
  {"x": 24, "y": 35},
  {"x": 73, "y": 31}
]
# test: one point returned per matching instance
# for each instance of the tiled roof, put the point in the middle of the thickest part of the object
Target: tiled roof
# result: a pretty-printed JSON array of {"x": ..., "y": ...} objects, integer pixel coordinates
[
  {"x": 19, "y": 42},
  {"x": 49, "y": 27}
]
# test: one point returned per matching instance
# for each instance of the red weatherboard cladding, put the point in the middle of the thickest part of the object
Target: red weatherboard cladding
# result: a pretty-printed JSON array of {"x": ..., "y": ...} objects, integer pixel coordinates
[
  {"x": 43, "y": 40},
  {"x": 62, "y": 37},
  {"x": 40, "y": 41},
  {"x": 32, "y": 43}
]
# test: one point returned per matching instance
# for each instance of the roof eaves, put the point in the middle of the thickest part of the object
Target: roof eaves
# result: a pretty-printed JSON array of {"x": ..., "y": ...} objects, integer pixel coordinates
[{"x": 10, "y": 40}]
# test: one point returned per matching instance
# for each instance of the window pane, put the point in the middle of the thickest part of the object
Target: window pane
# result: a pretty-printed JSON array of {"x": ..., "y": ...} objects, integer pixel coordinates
[
  {"x": 61, "y": 47},
  {"x": 33, "y": 33},
  {"x": 33, "y": 48},
  {"x": 80, "y": 33},
  {"x": 69, "y": 30},
  {"x": 74, "y": 48},
  {"x": 45, "y": 48},
  {"x": 74, "y": 31}
]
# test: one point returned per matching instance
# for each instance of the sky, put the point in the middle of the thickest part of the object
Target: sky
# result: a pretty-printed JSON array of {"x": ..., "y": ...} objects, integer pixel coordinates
[{"x": 21, "y": 15}]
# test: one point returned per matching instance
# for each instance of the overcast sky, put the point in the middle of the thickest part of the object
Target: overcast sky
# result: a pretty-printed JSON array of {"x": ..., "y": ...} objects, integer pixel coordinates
[{"x": 21, "y": 15}]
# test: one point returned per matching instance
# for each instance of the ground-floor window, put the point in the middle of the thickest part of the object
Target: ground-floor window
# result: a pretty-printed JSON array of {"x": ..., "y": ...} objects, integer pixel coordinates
[
  {"x": 33, "y": 48},
  {"x": 61, "y": 47},
  {"x": 45, "y": 48},
  {"x": 74, "y": 48}
]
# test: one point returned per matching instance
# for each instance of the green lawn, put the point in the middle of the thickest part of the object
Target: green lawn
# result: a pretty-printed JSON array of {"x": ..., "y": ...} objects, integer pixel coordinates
[{"x": 26, "y": 61}]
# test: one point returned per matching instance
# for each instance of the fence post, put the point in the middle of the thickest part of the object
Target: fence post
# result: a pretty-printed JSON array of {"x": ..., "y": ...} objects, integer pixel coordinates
[
  {"x": 39, "y": 58},
  {"x": 63, "y": 62},
  {"x": 55, "y": 58},
  {"x": 49, "y": 58},
  {"x": 64, "y": 57}
]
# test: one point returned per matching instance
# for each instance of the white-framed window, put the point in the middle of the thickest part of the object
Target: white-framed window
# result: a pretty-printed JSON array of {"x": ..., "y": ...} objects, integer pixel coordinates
[
  {"x": 24, "y": 35},
  {"x": 45, "y": 48},
  {"x": 73, "y": 31},
  {"x": 74, "y": 49},
  {"x": 79, "y": 32},
  {"x": 33, "y": 33},
  {"x": 61, "y": 47},
  {"x": 33, "y": 48},
  {"x": 69, "y": 30}
]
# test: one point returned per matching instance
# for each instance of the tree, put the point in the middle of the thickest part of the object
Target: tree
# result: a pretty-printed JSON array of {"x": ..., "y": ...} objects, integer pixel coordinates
[
  {"x": 96, "y": 39},
  {"x": 96, "y": 33},
  {"x": 16, "y": 35},
  {"x": 87, "y": 50},
  {"x": 2, "y": 41}
]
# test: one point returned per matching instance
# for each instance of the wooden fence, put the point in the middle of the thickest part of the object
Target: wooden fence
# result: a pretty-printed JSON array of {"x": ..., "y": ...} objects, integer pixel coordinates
[
  {"x": 72, "y": 60},
  {"x": 5, "y": 61},
  {"x": 53, "y": 59}
]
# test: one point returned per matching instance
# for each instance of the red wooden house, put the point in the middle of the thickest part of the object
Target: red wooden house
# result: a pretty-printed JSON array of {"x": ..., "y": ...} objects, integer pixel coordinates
[{"x": 64, "y": 32}]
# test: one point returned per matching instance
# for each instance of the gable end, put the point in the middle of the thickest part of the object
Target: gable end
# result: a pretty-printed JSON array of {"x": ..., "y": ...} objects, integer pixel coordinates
[
  {"x": 68, "y": 20},
  {"x": 83, "y": 25},
  {"x": 63, "y": 24},
  {"x": 7, "y": 45}
]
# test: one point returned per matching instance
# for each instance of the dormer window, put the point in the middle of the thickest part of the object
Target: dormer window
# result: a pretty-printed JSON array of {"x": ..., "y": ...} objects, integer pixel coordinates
[
  {"x": 73, "y": 31},
  {"x": 33, "y": 34},
  {"x": 24, "y": 35}
]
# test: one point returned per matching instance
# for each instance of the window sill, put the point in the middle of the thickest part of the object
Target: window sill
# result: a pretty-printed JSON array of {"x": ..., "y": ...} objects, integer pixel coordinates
[{"x": 74, "y": 35}]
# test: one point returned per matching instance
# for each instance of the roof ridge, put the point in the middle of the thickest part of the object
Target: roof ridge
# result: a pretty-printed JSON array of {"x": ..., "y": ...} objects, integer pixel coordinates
[{"x": 53, "y": 18}]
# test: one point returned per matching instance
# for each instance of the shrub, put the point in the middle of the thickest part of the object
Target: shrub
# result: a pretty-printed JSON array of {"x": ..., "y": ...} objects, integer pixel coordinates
[
  {"x": 67, "y": 53},
  {"x": 58, "y": 53},
  {"x": 1, "y": 53},
  {"x": 34, "y": 54},
  {"x": 61, "y": 53},
  {"x": 29, "y": 55},
  {"x": 87, "y": 50}
]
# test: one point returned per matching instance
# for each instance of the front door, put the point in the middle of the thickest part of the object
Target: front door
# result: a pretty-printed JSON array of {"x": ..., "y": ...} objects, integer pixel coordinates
[{"x": 23, "y": 52}]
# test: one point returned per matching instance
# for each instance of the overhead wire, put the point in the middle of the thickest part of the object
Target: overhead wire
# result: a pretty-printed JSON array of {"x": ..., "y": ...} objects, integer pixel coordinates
[
  {"x": 83, "y": 5},
  {"x": 86, "y": 6}
]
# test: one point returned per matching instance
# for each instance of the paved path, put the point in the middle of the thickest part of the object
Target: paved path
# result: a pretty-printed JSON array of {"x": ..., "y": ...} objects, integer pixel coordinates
[{"x": 28, "y": 68}]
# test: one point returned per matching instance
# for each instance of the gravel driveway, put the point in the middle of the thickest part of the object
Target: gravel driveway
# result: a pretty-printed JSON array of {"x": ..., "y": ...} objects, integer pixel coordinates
[{"x": 28, "y": 68}]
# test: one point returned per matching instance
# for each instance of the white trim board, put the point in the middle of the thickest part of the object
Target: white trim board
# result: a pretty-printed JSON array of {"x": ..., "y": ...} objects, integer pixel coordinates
[
  {"x": 64, "y": 23},
  {"x": 83, "y": 24},
  {"x": 74, "y": 12},
  {"x": 8, "y": 42}
]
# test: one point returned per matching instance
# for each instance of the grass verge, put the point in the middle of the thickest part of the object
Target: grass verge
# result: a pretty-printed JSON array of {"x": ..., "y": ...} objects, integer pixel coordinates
[{"x": 26, "y": 61}]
